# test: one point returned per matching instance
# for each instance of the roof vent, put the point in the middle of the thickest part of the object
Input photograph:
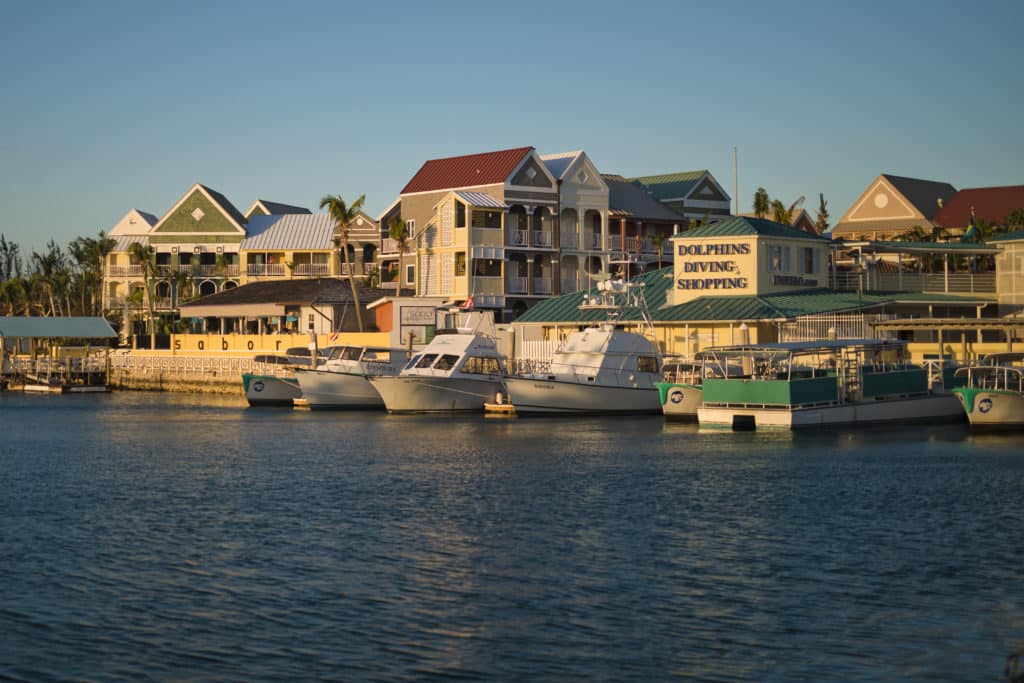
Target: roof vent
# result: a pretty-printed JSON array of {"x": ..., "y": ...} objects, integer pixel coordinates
[{"x": 940, "y": 202}]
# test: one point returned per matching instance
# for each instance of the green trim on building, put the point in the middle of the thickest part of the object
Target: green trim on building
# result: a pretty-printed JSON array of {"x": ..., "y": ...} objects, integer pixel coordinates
[{"x": 183, "y": 220}]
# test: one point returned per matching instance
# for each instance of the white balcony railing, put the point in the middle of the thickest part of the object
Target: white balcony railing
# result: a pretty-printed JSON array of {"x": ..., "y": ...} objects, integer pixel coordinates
[
  {"x": 517, "y": 238},
  {"x": 541, "y": 238},
  {"x": 541, "y": 285},
  {"x": 516, "y": 284},
  {"x": 312, "y": 269},
  {"x": 265, "y": 270},
  {"x": 569, "y": 240}
]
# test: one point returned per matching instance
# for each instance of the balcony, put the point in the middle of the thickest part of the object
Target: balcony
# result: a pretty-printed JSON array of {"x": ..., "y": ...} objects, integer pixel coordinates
[
  {"x": 952, "y": 283},
  {"x": 541, "y": 285},
  {"x": 311, "y": 269},
  {"x": 517, "y": 238},
  {"x": 515, "y": 285},
  {"x": 541, "y": 238},
  {"x": 265, "y": 270},
  {"x": 634, "y": 245},
  {"x": 126, "y": 271},
  {"x": 570, "y": 240}
]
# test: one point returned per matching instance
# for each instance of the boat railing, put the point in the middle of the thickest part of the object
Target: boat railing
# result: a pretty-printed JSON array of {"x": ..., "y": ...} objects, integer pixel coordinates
[{"x": 998, "y": 377}]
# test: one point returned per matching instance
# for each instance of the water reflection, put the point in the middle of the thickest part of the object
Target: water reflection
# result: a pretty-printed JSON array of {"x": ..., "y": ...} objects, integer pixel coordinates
[{"x": 169, "y": 536}]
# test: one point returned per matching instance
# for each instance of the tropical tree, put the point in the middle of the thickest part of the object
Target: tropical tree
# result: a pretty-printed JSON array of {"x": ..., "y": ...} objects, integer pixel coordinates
[
  {"x": 780, "y": 214},
  {"x": 343, "y": 215},
  {"x": 144, "y": 256},
  {"x": 50, "y": 268},
  {"x": 90, "y": 255},
  {"x": 399, "y": 232},
  {"x": 761, "y": 205},
  {"x": 1015, "y": 221},
  {"x": 10, "y": 260},
  {"x": 821, "y": 224},
  {"x": 659, "y": 239}
]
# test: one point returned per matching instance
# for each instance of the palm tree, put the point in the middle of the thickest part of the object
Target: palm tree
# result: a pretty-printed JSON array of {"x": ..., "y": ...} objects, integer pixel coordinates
[
  {"x": 659, "y": 239},
  {"x": 144, "y": 255},
  {"x": 761, "y": 203},
  {"x": 343, "y": 215},
  {"x": 821, "y": 225},
  {"x": 399, "y": 232},
  {"x": 48, "y": 268}
]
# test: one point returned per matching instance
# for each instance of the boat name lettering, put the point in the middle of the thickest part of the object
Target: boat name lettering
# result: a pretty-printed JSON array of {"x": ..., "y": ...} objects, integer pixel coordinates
[
  {"x": 709, "y": 267},
  {"x": 728, "y": 249},
  {"x": 713, "y": 283}
]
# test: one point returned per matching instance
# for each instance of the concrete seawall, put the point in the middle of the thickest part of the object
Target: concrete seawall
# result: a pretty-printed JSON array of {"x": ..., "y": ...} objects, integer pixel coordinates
[{"x": 157, "y": 379}]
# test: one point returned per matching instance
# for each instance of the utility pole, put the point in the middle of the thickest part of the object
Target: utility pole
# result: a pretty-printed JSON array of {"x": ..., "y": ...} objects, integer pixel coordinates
[{"x": 736, "y": 183}]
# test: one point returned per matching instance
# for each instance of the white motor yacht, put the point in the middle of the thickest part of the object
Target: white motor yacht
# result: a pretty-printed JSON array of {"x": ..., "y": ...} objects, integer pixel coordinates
[
  {"x": 458, "y": 371},
  {"x": 598, "y": 370},
  {"x": 342, "y": 381}
]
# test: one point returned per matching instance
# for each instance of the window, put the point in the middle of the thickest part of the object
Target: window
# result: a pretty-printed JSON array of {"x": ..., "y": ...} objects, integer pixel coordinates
[
  {"x": 410, "y": 274},
  {"x": 460, "y": 263},
  {"x": 647, "y": 364},
  {"x": 460, "y": 215},
  {"x": 478, "y": 365},
  {"x": 778, "y": 259},
  {"x": 809, "y": 260},
  {"x": 426, "y": 360},
  {"x": 312, "y": 322},
  {"x": 413, "y": 362},
  {"x": 446, "y": 362}
]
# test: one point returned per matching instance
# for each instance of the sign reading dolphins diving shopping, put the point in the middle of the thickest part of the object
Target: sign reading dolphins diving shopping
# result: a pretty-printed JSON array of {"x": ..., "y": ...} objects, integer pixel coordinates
[{"x": 719, "y": 272}]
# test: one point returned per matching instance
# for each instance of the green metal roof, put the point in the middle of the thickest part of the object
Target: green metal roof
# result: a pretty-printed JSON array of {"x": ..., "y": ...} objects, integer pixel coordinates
[
  {"x": 669, "y": 185},
  {"x": 77, "y": 328},
  {"x": 565, "y": 309},
  {"x": 741, "y": 226},
  {"x": 1008, "y": 237},
  {"x": 926, "y": 247}
]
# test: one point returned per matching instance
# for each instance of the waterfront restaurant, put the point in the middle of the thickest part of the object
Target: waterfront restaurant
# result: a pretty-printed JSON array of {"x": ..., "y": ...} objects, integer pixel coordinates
[{"x": 749, "y": 280}]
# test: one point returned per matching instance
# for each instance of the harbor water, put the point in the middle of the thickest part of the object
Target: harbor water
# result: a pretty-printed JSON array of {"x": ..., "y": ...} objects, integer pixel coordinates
[{"x": 189, "y": 538}]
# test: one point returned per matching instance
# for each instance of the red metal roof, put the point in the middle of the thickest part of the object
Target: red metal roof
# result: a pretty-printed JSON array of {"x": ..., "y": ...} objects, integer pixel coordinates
[
  {"x": 993, "y": 204},
  {"x": 466, "y": 171}
]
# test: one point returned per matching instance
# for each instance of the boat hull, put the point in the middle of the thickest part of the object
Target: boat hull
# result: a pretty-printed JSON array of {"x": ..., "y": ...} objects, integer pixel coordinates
[
  {"x": 417, "y": 394},
  {"x": 931, "y": 408},
  {"x": 326, "y": 390},
  {"x": 552, "y": 397},
  {"x": 270, "y": 390},
  {"x": 991, "y": 408},
  {"x": 680, "y": 401}
]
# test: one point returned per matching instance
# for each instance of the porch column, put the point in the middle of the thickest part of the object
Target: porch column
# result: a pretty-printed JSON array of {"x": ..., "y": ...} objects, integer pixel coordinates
[{"x": 945, "y": 273}]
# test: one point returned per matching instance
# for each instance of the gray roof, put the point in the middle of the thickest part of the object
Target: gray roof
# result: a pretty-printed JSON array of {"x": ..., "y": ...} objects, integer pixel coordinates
[
  {"x": 51, "y": 328},
  {"x": 923, "y": 194},
  {"x": 558, "y": 164},
  {"x": 123, "y": 242},
  {"x": 225, "y": 204},
  {"x": 277, "y": 208},
  {"x": 148, "y": 217},
  {"x": 627, "y": 199},
  {"x": 305, "y": 231},
  {"x": 481, "y": 200},
  {"x": 327, "y": 290}
]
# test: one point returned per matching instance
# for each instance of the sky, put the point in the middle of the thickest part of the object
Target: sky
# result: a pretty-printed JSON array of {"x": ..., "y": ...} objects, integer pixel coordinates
[{"x": 108, "y": 106}]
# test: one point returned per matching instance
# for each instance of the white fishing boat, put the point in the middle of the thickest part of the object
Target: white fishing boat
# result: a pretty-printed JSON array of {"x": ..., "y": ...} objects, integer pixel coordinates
[
  {"x": 273, "y": 382},
  {"x": 262, "y": 390},
  {"x": 458, "y": 371},
  {"x": 992, "y": 394},
  {"x": 600, "y": 369},
  {"x": 680, "y": 389},
  {"x": 342, "y": 380},
  {"x": 823, "y": 383}
]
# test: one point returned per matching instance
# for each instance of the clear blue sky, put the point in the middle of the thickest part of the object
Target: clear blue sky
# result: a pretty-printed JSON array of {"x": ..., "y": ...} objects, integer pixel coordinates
[{"x": 108, "y": 106}]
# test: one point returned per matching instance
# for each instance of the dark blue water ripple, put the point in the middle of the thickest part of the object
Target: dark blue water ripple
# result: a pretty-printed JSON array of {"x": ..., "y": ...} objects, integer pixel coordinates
[{"x": 156, "y": 537}]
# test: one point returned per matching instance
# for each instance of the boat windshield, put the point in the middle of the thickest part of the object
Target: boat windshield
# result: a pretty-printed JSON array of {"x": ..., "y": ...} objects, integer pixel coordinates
[
  {"x": 426, "y": 360},
  {"x": 482, "y": 365},
  {"x": 412, "y": 362},
  {"x": 446, "y": 362},
  {"x": 351, "y": 353}
]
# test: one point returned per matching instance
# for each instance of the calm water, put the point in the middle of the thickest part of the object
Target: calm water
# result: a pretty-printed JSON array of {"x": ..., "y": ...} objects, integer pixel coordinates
[{"x": 167, "y": 537}]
